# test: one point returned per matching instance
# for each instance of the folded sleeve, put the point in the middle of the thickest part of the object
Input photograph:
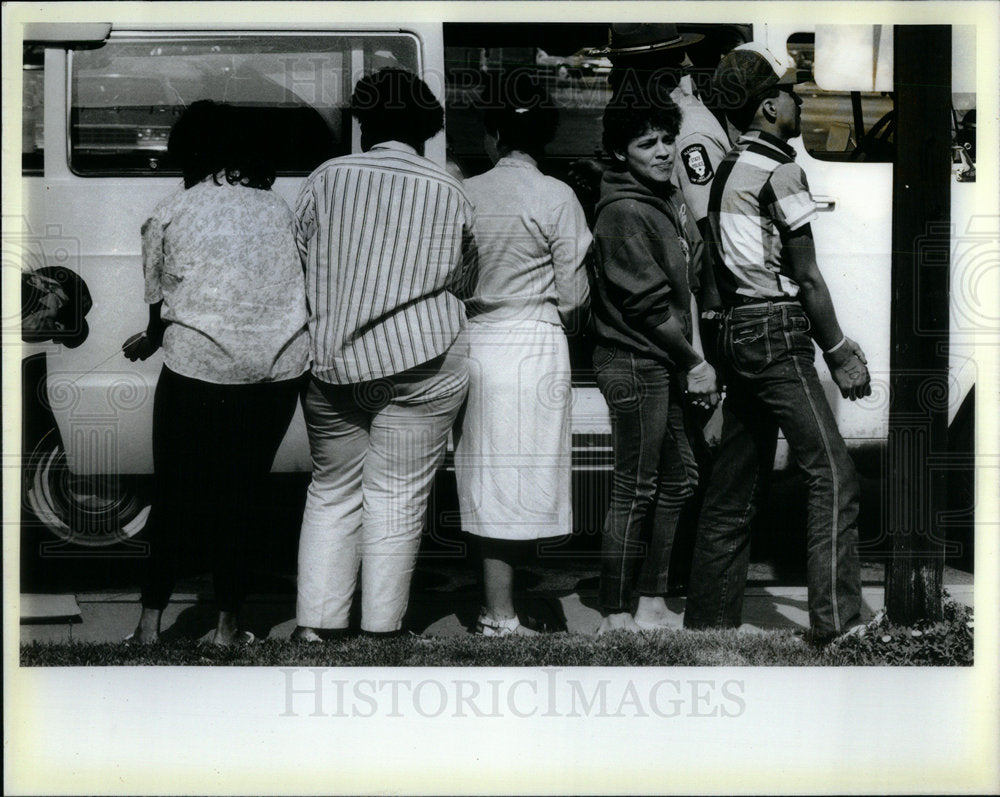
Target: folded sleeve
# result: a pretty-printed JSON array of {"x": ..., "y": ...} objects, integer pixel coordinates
[{"x": 788, "y": 201}]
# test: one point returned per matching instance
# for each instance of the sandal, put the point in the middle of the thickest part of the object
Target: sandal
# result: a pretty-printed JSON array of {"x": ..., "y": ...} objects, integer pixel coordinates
[{"x": 490, "y": 626}]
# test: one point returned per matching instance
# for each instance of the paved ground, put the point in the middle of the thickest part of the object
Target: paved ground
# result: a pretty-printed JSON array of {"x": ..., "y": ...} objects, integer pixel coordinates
[{"x": 444, "y": 602}]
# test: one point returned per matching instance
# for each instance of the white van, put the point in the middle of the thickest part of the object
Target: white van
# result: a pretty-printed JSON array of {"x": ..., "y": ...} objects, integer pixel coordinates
[
  {"x": 99, "y": 105},
  {"x": 99, "y": 102}
]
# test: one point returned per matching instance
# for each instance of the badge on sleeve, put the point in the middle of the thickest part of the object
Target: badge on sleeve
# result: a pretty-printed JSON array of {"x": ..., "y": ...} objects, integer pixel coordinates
[{"x": 697, "y": 165}]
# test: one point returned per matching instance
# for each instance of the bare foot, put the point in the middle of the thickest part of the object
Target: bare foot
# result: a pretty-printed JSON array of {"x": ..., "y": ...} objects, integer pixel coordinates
[
  {"x": 148, "y": 629},
  {"x": 227, "y": 630},
  {"x": 652, "y": 614},
  {"x": 622, "y": 621},
  {"x": 303, "y": 633}
]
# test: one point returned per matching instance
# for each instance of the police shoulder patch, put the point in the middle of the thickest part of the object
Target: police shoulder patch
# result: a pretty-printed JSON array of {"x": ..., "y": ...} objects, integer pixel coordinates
[{"x": 696, "y": 164}]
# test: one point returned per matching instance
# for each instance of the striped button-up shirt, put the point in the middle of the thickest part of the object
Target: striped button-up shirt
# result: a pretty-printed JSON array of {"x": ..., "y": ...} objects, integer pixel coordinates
[
  {"x": 759, "y": 194},
  {"x": 386, "y": 238}
]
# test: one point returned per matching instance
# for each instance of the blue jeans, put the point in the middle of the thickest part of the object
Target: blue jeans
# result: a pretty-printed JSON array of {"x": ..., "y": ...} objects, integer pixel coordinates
[
  {"x": 772, "y": 384},
  {"x": 654, "y": 475}
]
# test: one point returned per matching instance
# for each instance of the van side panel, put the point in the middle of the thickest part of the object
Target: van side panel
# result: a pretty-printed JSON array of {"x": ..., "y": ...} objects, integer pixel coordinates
[{"x": 103, "y": 403}]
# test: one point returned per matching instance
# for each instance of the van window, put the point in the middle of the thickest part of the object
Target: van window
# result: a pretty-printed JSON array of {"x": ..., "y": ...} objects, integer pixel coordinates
[
  {"x": 841, "y": 125},
  {"x": 564, "y": 57},
  {"x": 127, "y": 95},
  {"x": 33, "y": 110}
]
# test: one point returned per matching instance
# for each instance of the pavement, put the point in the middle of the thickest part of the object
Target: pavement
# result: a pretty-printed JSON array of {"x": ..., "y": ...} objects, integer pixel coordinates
[{"x": 443, "y": 603}]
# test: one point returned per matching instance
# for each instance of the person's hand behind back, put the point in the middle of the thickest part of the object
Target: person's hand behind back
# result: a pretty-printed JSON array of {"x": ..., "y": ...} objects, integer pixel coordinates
[{"x": 849, "y": 369}]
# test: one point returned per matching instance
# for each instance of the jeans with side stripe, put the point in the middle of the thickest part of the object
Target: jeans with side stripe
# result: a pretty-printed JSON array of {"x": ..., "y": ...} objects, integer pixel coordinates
[
  {"x": 654, "y": 475},
  {"x": 772, "y": 384}
]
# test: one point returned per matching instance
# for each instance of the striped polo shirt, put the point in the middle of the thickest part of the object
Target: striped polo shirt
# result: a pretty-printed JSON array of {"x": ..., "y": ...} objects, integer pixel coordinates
[
  {"x": 382, "y": 236},
  {"x": 759, "y": 194}
]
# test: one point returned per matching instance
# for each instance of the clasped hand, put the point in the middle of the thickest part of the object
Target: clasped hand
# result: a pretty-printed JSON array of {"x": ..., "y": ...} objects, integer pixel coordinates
[
  {"x": 849, "y": 369},
  {"x": 702, "y": 385}
]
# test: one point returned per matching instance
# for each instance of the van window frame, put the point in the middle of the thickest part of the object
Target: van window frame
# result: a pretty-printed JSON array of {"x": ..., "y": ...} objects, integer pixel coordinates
[
  {"x": 153, "y": 34},
  {"x": 33, "y": 61}
]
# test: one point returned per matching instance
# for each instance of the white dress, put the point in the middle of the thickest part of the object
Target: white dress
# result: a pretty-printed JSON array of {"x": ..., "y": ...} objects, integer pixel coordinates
[{"x": 513, "y": 441}]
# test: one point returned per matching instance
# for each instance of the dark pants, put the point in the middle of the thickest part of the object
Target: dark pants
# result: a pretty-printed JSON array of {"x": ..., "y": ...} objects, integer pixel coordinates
[
  {"x": 213, "y": 446},
  {"x": 772, "y": 384},
  {"x": 654, "y": 475}
]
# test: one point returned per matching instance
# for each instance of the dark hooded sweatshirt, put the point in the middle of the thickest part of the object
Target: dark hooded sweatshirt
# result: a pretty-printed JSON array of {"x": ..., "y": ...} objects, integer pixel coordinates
[{"x": 645, "y": 265}]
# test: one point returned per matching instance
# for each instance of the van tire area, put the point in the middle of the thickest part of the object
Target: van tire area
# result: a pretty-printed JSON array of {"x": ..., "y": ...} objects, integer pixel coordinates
[{"x": 66, "y": 518}]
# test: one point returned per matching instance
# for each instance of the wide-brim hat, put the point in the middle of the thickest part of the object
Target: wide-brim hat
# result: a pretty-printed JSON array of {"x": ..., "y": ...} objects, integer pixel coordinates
[{"x": 638, "y": 38}]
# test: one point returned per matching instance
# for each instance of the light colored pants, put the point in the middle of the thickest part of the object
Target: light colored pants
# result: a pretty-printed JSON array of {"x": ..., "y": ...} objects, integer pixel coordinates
[{"x": 375, "y": 448}]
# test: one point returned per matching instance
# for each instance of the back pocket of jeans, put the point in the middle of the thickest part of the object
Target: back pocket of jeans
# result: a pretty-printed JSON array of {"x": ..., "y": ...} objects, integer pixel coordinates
[{"x": 750, "y": 346}]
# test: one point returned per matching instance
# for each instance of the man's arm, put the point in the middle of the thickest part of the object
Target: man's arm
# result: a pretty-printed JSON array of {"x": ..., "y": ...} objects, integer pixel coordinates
[
  {"x": 813, "y": 293},
  {"x": 844, "y": 357}
]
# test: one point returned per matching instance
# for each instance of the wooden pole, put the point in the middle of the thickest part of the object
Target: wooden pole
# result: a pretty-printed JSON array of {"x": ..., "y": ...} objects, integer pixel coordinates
[{"x": 921, "y": 239}]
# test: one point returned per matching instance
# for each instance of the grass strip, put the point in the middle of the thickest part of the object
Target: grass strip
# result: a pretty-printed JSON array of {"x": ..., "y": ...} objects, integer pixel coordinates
[{"x": 947, "y": 644}]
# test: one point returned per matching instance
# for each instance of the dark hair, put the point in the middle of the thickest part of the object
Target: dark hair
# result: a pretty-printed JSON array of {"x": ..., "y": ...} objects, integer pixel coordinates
[
  {"x": 212, "y": 137},
  {"x": 742, "y": 115},
  {"x": 629, "y": 115},
  {"x": 395, "y": 104},
  {"x": 518, "y": 109}
]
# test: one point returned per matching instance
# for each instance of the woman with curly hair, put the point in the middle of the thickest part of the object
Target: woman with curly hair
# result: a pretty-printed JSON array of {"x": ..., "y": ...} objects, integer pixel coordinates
[
  {"x": 227, "y": 304},
  {"x": 647, "y": 355}
]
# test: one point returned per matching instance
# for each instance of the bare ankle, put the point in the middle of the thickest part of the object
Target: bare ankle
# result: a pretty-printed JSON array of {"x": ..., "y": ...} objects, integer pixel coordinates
[{"x": 651, "y": 607}]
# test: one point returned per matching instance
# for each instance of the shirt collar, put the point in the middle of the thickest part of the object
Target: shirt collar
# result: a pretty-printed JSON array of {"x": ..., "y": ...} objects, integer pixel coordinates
[
  {"x": 506, "y": 160},
  {"x": 769, "y": 140},
  {"x": 398, "y": 146}
]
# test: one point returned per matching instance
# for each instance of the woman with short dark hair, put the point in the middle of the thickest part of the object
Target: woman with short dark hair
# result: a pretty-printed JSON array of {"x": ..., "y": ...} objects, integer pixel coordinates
[
  {"x": 647, "y": 354},
  {"x": 512, "y": 446},
  {"x": 227, "y": 304},
  {"x": 385, "y": 237},
  {"x": 396, "y": 105}
]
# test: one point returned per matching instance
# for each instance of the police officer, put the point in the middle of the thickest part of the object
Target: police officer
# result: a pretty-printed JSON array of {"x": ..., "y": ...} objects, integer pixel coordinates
[{"x": 776, "y": 304}]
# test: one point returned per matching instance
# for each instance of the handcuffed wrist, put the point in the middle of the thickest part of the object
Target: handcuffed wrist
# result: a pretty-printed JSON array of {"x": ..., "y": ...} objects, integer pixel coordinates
[{"x": 843, "y": 340}]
